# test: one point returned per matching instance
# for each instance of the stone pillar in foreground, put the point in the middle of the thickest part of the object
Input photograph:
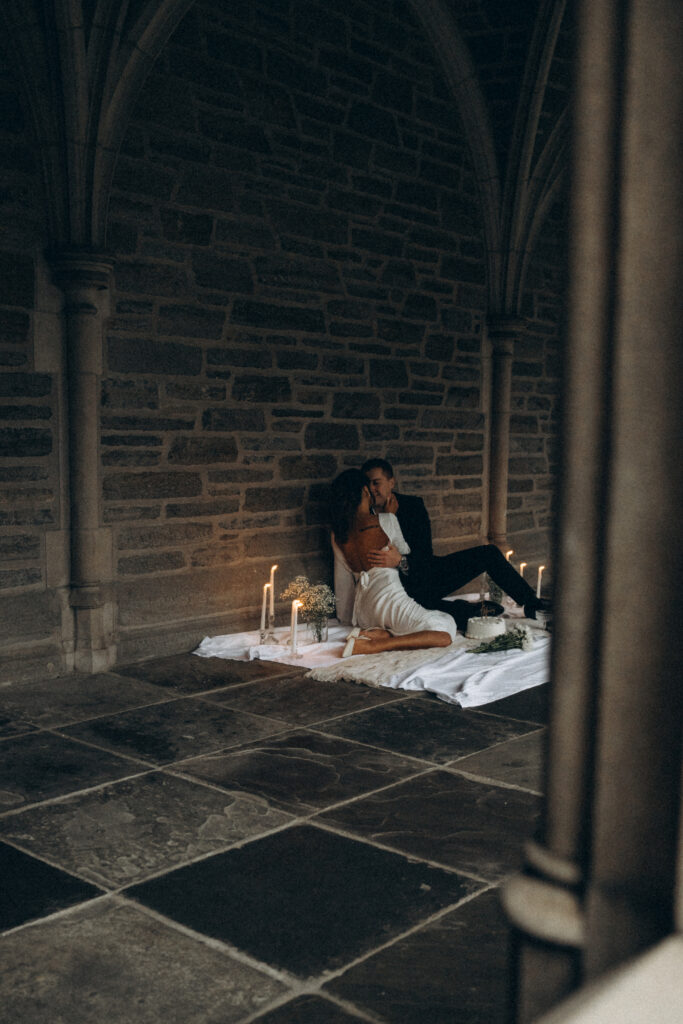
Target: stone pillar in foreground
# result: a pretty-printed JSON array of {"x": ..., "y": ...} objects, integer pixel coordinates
[
  {"x": 84, "y": 279},
  {"x": 599, "y": 885},
  {"x": 502, "y": 332}
]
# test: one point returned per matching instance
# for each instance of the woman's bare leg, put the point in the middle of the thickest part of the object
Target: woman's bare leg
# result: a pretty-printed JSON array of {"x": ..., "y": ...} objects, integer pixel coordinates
[{"x": 367, "y": 643}]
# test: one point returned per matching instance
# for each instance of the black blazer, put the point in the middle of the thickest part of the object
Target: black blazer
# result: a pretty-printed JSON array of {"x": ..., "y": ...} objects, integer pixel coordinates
[{"x": 416, "y": 528}]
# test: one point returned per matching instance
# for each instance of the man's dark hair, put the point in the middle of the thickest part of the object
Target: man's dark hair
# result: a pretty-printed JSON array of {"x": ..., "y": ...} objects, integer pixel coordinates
[{"x": 382, "y": 464}]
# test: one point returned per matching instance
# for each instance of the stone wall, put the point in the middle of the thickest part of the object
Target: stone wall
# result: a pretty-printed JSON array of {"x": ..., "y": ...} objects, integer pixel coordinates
[
  {"x": 534, "y": 425},
  {"x": 299, "y": 285},
  {"x": 30, "y": 410}
]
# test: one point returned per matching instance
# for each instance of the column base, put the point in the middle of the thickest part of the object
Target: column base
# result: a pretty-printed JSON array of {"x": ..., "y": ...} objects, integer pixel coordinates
[{"x": 94, "y": 629}]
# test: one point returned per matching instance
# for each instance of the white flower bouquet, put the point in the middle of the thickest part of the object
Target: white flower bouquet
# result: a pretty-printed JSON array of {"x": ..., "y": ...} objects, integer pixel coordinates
[{"x": 317, "y": 602}]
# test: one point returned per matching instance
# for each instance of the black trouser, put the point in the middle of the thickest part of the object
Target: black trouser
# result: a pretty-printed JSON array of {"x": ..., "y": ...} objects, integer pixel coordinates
[{"x": 430, "y": 580}]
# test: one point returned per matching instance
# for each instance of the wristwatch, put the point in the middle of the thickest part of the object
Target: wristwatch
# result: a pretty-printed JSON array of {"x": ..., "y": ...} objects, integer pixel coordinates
[{"x": 403, "y": 564}]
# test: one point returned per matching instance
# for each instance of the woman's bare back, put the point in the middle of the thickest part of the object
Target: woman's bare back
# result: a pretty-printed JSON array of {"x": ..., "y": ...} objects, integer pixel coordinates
[{"x": 364, "y": 536}]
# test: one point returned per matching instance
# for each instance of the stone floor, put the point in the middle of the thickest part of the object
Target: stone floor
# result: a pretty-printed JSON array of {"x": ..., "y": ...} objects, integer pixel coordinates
[{"x": 200, "y": 841}]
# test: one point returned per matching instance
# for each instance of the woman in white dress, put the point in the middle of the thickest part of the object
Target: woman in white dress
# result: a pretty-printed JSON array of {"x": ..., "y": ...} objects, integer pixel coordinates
[{"x": 372, "y": 597}]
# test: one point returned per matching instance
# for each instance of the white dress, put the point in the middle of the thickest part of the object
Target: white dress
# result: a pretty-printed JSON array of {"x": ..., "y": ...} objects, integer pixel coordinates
[{"x": 377, "y": 597}]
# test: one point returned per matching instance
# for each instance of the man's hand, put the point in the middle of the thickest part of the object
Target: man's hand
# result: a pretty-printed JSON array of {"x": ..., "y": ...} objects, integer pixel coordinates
[{"x": 387, "y": 558}]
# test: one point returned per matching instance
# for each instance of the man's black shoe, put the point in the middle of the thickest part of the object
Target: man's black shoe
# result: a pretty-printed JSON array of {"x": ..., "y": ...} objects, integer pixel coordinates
[{"x": 538, "y": 604}]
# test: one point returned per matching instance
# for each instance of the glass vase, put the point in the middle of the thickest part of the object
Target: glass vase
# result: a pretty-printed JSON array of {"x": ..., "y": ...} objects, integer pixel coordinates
[{"x": 317, "y": 630}]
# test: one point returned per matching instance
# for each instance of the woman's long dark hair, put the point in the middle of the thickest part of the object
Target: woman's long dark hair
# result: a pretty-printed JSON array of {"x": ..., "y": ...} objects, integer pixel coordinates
[{"x": 345, "y": 495}]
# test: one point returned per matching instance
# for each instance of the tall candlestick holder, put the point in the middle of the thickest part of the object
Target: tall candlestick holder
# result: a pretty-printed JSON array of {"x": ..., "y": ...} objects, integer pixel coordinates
[{"x": 270, "y": 637}]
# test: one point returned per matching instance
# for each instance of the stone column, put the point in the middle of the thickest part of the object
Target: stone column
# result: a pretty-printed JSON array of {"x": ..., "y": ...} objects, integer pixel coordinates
[
  {"x": 599, "y": 884},
  {"x": 502, "y": 333},
  {"x": 84, "y": 279}
]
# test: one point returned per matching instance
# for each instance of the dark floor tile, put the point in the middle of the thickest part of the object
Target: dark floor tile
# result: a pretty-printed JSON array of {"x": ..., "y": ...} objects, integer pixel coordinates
[
  {"x": 308, "y": 1010},
  {"x": 304, "y": 701},
  {"x": 40, "y": 766},
  {"x": 52, "y": 702},
  {"x": 188, "y": 673},
  {"x": 177, "y": 729},
  {"x": 31, "y": 889},
  {"x": 13, "y": 726},
  {"x": 130, "y": 830},
  {"x": 530, "y": 705},
  {"x": 441, "y": 816},
  {"x": 302, "y": 771},
  {"x": 432, "y": 730},
  {"x": 109, "y": 963},
  {"x": 517, "y": 762},
  {"x": 303, "y": 899},
  {"x": 454, "y": 971}
]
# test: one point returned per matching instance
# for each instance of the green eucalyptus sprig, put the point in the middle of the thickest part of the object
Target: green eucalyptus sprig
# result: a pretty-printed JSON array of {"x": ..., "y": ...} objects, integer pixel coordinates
[{"x": 518, "y": 636}]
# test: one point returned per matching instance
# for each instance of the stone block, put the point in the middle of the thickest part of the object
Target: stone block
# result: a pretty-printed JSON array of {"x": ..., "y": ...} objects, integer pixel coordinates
[
  {"x": 147, "y": 423},
  {"x": 419, "y": 398},
  {"x": 282, "y": 318},
  {"x": 239, "y": 234},
  {"x": 400, "y": 331},
  {"x": 142, "y": 355},
  {"x": 296, "y": 360},
  {"x": 162, "y": 561},
  {"x": 25, "y": 442},
  {"x": 464, "y": 501},
  {"x": 19, "y": 547},
  {"x": 419, "y": 306},
  {"x": 527, "y": 465},
  {"x": 454, "y": 268},
  {"x": 388, "y": 373},
  {"x": 258, "y": 358},
  {"x": 12, "y": 578},
  {"x": 459, "y": 465},
  {"x": 17, "y": 280},
  {"x": 211, "y": 507},
  {"x": 190, "y": 451},
  {"x": 526, "y": 369},
  {"x": 302, "y": 274},
  {"x": 307, "y": 467},
  {"x": 253, "y": 388},
  {"x": 233, "y": 419},
  {"x": 410, "y": 454},
  {"x": 307, "y": 222},
  {"x": 331, "y": 436},
  {"x": 190, "y": 228},
  {"x": 361, "y": 405},
  {"x": 129, "y": 394},
  {"x": 126, "y": 457},
  {"x": 25, "y": 385},
  {"x": 141, "y": 486},
  {"x": 398, "y": 274},
  {"x": 168, "y": 536},
  {"x": 380, "y": 242},
  {"x": 14, "y": 326},
  {"x": 191, "y": 321},
  {"x": 10, "y": 357},
  {"x": 131, "y": 513},
  {"x": 25, "y": 412},
  {"x": 143, "y": 278},
  {"x": 463, "y": 398},
  {"x": 520, "y": 521},
  {"x": 269, "y": 499},
  {"x": 212, "y": 270},
  {"x": 394, "y": 160},
  {"x": 376, "y": 432},
  {"x": 191, "y": 391}
]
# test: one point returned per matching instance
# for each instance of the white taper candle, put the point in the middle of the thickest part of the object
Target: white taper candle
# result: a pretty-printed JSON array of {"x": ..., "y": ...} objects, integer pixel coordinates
[
  {"x": 522, "y": 567},
  {"x": 272, "y": 590},
  {"x": 266, "y": 588},
  {"x": 538, "y": 581},
  {"x": 294, "y": 625}
]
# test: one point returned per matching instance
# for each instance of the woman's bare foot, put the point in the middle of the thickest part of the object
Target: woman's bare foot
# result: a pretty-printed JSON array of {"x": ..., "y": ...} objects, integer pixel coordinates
[{"x": 371, "y": 641}]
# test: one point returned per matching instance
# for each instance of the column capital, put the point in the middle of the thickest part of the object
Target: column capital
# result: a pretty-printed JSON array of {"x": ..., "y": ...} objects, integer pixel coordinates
[
  {"x": 503, "y": 328},
  {"x": 80, "y": 268}
]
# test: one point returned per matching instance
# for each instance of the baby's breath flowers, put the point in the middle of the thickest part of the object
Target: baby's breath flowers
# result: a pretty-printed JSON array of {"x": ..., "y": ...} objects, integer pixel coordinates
[
  {"x": 317, "y": 602},
  {"x": 518, "y": 636}
]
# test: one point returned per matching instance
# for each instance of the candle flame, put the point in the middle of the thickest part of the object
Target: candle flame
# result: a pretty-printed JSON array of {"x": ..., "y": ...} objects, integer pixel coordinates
[
  {"x": 522, "y": 567},
  {"x": 508, "y": 553},
  {"x": 541, "y": 568},
  {"x": 273, "y": 568},
  {"x": 296, "y": 604}
]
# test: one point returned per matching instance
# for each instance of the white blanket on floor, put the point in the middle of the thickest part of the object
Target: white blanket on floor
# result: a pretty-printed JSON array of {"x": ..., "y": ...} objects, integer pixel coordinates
[{"x": 452, "y": 673}]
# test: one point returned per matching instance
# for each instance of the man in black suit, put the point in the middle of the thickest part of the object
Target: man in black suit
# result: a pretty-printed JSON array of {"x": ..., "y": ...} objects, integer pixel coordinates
[{"x": 427, "y": 577}]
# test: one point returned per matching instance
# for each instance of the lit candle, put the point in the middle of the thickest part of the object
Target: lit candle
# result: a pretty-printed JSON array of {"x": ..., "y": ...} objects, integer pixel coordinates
[
  {"x": 266, "y": 588},
  {"x": 295, "y": 614},
  {"x": 522, "y": 567},
  {"x": 508, "y": 553},
  {"x": 538, "y": 581},
  {"x": 272, "y": 591}
]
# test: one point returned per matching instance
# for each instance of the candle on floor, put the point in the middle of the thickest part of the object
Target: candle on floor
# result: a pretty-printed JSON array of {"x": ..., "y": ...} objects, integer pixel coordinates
[
  {"x": 522, "y": 567},
  {"x": 294, "y": 625},
  {"x": 508, "y": 553},
  {"x": 272, "y": 593},
  {"x": 266, "y": 588},
  {"x": 538, "y": 581}
]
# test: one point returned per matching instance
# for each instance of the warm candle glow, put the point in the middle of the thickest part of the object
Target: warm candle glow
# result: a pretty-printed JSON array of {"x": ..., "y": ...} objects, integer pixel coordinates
[
  {"x": 522, "y": 567},
  {"x": 272, "y": 590},
  {"x": 508, "y": 553},
  {"x": 538, "y": 581},
  {"x": 294, "y": 625},
  {"x": 266, "y": 588}
]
